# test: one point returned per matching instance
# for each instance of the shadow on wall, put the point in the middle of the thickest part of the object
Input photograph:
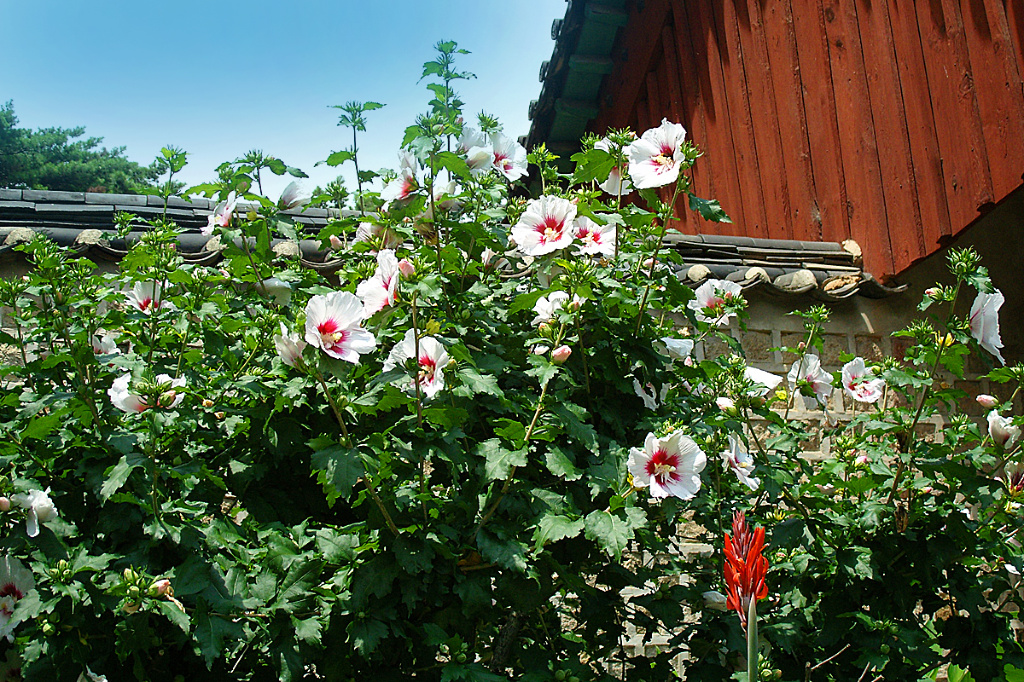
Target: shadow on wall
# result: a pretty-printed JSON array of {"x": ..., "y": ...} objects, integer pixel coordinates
[{"x": 998, "y": 237}]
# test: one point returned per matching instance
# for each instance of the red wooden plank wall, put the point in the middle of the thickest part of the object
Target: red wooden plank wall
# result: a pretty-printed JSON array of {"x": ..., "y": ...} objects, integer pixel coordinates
[{"x": 894, "y": 122}]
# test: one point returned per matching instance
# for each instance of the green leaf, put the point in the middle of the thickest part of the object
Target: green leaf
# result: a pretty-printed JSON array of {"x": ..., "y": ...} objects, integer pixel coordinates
[
  {"x": 338, "y": 158},
  {"x": 308, "y": 630},
  {"x": 337, "y": 470},
  {"x": 366, "y": 634},
  {"x": 609, "y": 531},
  {"x": 117, "y": 475},
  {"x": 505, "y": 552},
  {"x": 499, "y": 460},
  {"x": 175, "y": 614},
  {"x": 709, "y": 209},
  {"x": 211, "y": 632},
  {"x": 512, "y": 431},
  {"x": 40, "y": 427},
  {"x": 555, "y": 527},
  {"x": 480, "y": 383},
  {"x": 560, "y": 464}
]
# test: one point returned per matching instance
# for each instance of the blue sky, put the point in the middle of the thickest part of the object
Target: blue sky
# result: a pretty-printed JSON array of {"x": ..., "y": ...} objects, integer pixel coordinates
[{"x": 221, "y": 77}]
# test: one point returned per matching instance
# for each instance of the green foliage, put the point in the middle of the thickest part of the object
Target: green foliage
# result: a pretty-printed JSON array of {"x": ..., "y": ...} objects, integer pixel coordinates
[
  {"x": 57, "y": 159},
  {"x": 232, "y": 505}
]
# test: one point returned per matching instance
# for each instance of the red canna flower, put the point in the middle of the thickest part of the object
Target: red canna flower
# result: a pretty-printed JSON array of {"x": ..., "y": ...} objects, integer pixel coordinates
[{"x": 745, "y": 567}]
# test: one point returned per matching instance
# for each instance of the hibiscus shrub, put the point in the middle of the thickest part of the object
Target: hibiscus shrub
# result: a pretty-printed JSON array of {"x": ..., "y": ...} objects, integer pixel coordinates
[{"x": 474, "y": 446}]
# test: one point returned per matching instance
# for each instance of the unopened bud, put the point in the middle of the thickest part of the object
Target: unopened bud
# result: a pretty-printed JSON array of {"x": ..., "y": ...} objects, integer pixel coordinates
[
  {"x": 984, "y": 399},
  {"x": 726, "y": 405},
  {"x": 5, "y": 504},
  {"x": 167, "y": 398},
  {"x": 862, "y": 460},
  {"x": 801, "y": 345},
  {"x": 336, "y": 243},
  {"x": 207, "y": 402},
  {"x": 541, "y": 350},
  {"x": 406, "y": 267},
  {"x": 161, "y": 588},
  {"x": 933, "y": 293},
  {"x": 560, "y": 354}
]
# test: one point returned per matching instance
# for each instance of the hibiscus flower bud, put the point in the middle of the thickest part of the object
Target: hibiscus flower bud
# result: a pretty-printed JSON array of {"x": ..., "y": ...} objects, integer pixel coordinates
[
  {"x": 5, "y": 504},
  {"x": 336, "y": 243},
  {"x": 161, "y": 588},
  {"x": 987, "y": 401},
  {"x": 560, "y": 354},
  {"x": 130, "y": 608},
  {"x": 406, "y": 267},
  {"x": 541, "y": 350},
  {"x": 862, "y": 460},
  {"x": 167, "y": 398},
  {"x": 726, "y": 405},
  {"x": 207, "y": 402},
  {"x": 801, "y": 345},
  {"x": 934, "y": 293}
]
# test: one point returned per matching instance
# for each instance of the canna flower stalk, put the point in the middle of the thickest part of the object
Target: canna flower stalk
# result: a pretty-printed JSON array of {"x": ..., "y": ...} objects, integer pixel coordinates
[
  {"x": 745, "y": 570},
  {"x": 745, "y": 566}
]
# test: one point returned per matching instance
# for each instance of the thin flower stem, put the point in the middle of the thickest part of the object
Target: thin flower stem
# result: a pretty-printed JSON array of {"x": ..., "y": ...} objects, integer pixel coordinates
[
  {"x": 512, "y": 472},
  {"x": 908, "y": 434},
  {"x": 657, "y": 250},
  {"x": 334, "y": 408},
  {"x": 380, "y": 505},
  {"x": 416, "y": 376}
]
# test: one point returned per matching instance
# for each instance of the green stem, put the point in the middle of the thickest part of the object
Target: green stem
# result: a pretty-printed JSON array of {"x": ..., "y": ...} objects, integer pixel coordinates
[
  {"x": 654, "y": 259},
  {"x": 511, "y": 474}
]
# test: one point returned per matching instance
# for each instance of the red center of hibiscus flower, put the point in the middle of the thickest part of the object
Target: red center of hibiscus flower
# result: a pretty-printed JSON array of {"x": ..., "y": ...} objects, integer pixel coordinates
[
  {"x": 330, "y": 334},
  {"x": 428, "y": 368},
  {"x": 145, "y": 303},
  {"x": 663, "y": 466},
  {"x": 550, "y": 229},
  {"x": 9, "y": 590}
]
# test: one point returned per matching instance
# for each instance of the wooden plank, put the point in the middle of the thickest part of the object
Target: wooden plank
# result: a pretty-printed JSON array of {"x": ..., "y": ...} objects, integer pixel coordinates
[
  {"x": 917, "y": 106},
  {"x": 822, "y": 125},
  {"x": 1014, "y": 11},
  {"x": 865, "y": 200},
  {"x": 968, "y": 182},
  {"x": 1001, "y": 100},
  {"x": 689, "y": 116},
  {"x": 906, "y": 232},
  {"x": 627, "y": 78},
  {"x": 728, "y": 80},
  {"x": 720, "y": 158},
  {"x": 778, "y": 53},
  {"x": 784, "y": 61}
]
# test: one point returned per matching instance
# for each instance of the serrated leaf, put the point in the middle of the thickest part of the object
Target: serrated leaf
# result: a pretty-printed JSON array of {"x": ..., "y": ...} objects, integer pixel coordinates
[
  {"x": 499, "y": 460},
  {"x": 609, "y": 531},
  {"x": 559, "y": 463},
  {"x": 508, "y": 553},
  {"x": 211, "y": 632},
  {"x": 555, "y": 527},
  {"x": 366, "y": 634},
  {"x": 40, "y": 427},
  {"x": 337, "y": 470},
  {"x": 338, "y": 158},
  {"x": 709, "y": 209},
  {"x": 480, "y": 383},
  {"x": 308, "y": 629},
  {"x": 175, "y": 613},
  {"x": 116, "y": 477}
]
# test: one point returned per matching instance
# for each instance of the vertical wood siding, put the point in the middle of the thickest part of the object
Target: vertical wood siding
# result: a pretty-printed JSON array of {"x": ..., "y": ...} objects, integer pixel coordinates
[{"x": 893, "y": 122}]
